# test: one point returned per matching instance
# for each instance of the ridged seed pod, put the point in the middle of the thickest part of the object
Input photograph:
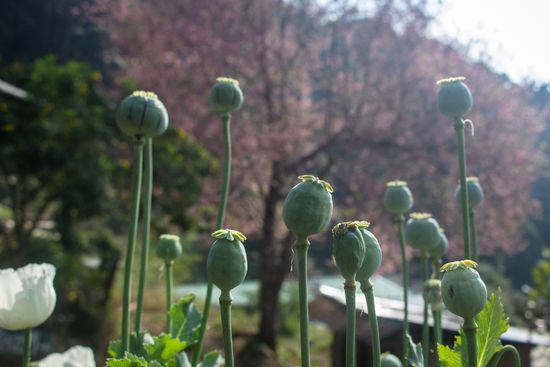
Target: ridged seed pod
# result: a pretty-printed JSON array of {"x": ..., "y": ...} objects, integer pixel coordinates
[
  {"x": 398, "y": 198},
  {"x": 475, "y": 193},
  {"x": 442, "y": 246},
  {"x": 432, "y": 294},
  {"x": 142, "y": 114},
  {"x": 225, "y": 96},
  {"x": 389, "y": 360},
  {"x": 373, "y": 256},
  {"x": 308, "y": 206},
  {"x": 348, "y": 248},
  {"x": 168, "y": 247},
  {"x": 226, "y": 264},
  {"x": 422, "y": 231},
  {"x": 454, "y": 98},
  {"x": 464, "y": 292}
]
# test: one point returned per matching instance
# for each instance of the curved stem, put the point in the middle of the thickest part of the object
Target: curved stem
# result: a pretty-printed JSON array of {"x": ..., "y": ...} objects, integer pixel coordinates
[
  {"x": 27, "y": 346},
  {"x": 225, "y": 311},
  {"x": 459, "y": 129},
  {"x": 425, "y": 326},
  {"x": 349, "y": 289},
  {"x": 473, "y": 234},
  {"x": 507, "y": 348},
  {"x": 373, "y": 320},
  {"x": 147, "y": 194},
  {"x": 226, "y": 122},
  {"x": 301, "y": 246},
  {"x": 134, "y": 216},
  {"x": 169, "y": 285},
  {"x": 400, "y": 220},
  {"x": 470, "y": 330},
  {"x": 437, "y": 332}
]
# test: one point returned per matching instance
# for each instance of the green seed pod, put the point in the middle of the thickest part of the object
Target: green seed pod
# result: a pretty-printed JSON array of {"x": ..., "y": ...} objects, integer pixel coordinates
[
  {"x": 454, "y": 98},
  {"x": 389, "y": 360},
  {"x": 226, "y": 264},
  {"x": 398, "y": 198},
  {"x": 348, "y": 248},
  {"x": 442, "y": 246},
  {"x": 168, "y": 247},
  {"x": 432, "y": 294},
  {"x": 422, "y": 231},
  {"x": 142, "y": 114},
  {"x": 462, "y": 289},
  {"x": 475, "y": 193},
  {"x": 308, "y": 207},
  {"x": 373, "y": 256},
  {"x": 225, "y": 96}
]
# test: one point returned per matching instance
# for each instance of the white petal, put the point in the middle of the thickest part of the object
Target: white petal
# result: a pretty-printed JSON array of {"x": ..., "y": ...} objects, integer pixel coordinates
[
  {"x": 77, "y": 356},
  {"x": 10, "y": 285}
]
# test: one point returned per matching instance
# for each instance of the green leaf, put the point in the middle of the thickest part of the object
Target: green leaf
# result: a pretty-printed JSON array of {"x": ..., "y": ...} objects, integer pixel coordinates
[
  {"x": 186, "y": 320},
  {"x": 448, "y": 357},
  {"x": 180, "y": 360},
  {"x": 137, "y": 342},
  {"x": 492, "y": 323},
  {"x": 164, "y": 347},
  {"x": 415, "y": 357},
  {"x": 129, "y": 360},
  {"x": 212, "y": 359}
]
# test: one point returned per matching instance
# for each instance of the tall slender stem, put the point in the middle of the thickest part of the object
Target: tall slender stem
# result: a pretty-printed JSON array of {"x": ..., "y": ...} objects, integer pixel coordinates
[
  {"x": 169, "y": 286},
  {"x": 27, "y": 346},
  {"x": 226, "y": 122},
  {"x": 225, "y": 310},
  {"x": 425, "y": 326},
  {"x": 147, "y": 195},
  {"x": 400, "y": 220},
  {"x": 349, "y": 289},
  {"x": 473, "y": 234},
  {"x": 134, "y": 216},
  {"x": 301, "y": 246},
  {"x": 470, "y": 330},
  {"x": 459, "y": 129},
  {"x": 507, "y": 348},
  {"x": 368, "y": 291},
  {"x": 438, "y": 335}
]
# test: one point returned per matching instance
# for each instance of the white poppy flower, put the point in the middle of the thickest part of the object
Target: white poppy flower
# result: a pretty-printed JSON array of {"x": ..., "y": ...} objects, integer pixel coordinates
[
  {"x": 27, "y": 296},
  {"x": 75, "y": 357}
]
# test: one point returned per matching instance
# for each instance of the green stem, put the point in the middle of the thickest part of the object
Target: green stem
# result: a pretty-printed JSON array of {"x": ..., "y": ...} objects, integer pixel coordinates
[
  {"x": 507, "y": 348},
  {"x": 438, "y": 335},
  {"x": 226, "y": 122},
  {"x": 301, "y": 246},
  {"x": 27, "y": 346},
  {"x": 225, "y": 311},
  {"x": 169, "y": 286},
  {"x": 134, "y": 216},
  {"x": 470, "y": 330},
  {"x": 459, "y": 129},
  {"x": 473, "y": 234},
  {"x": 147, "y": 195},
  {"x": 368, "y": 291},
  {"x": 349, "y": 289},
  {"x": 425, "y": 326},
  {"x": 400, "y": 220}
]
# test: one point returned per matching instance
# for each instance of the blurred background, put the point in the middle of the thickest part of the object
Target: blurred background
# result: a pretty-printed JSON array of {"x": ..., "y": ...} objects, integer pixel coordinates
[{"x": 342, "y": 89}]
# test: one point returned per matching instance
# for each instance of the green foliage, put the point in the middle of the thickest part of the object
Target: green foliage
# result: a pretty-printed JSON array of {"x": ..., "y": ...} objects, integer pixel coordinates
[
  {"x": 186, "y": 320},
  {"x": 415, "y": 357},
  {"x": 492, "y": 323}
]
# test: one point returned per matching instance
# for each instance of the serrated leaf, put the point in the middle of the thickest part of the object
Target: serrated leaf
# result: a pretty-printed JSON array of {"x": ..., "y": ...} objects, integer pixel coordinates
[
  {"x": 129, "y": 360},
  {"x": 164, "y": 347},
  {"x": 491, "y": 324},
  {"x": 137, "y": 340},
  {"x": 212, "y": 359},
  {"x": 448, "y": 357},
  {"x": 415, "y": 357},
  {"x": 186, "y": 320}
]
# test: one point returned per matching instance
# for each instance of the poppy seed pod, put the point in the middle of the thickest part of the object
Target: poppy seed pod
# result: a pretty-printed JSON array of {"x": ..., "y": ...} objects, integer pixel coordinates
[
  {"x": 348, "y": 248},
  {"x": 373, "y": 256},
  {"x": 225, "y": 96},
  {"x": 422, "y": 231},
  {"x": 454, "y": 98},
  {"x": 475, "y": 193},
  {"x": 226, "y": 264},
  {"x": 308, "y": 206},
  {"x": 397, "y": 197},
  {"x": 442, "y": 246},
  {"x": 432, "y": 294},
  {"x": 463, "y": 291},
  {"x": 168, "y": 247},
  {"x": 142, "y": 114},
  {"x": 389, "y": 360}
]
